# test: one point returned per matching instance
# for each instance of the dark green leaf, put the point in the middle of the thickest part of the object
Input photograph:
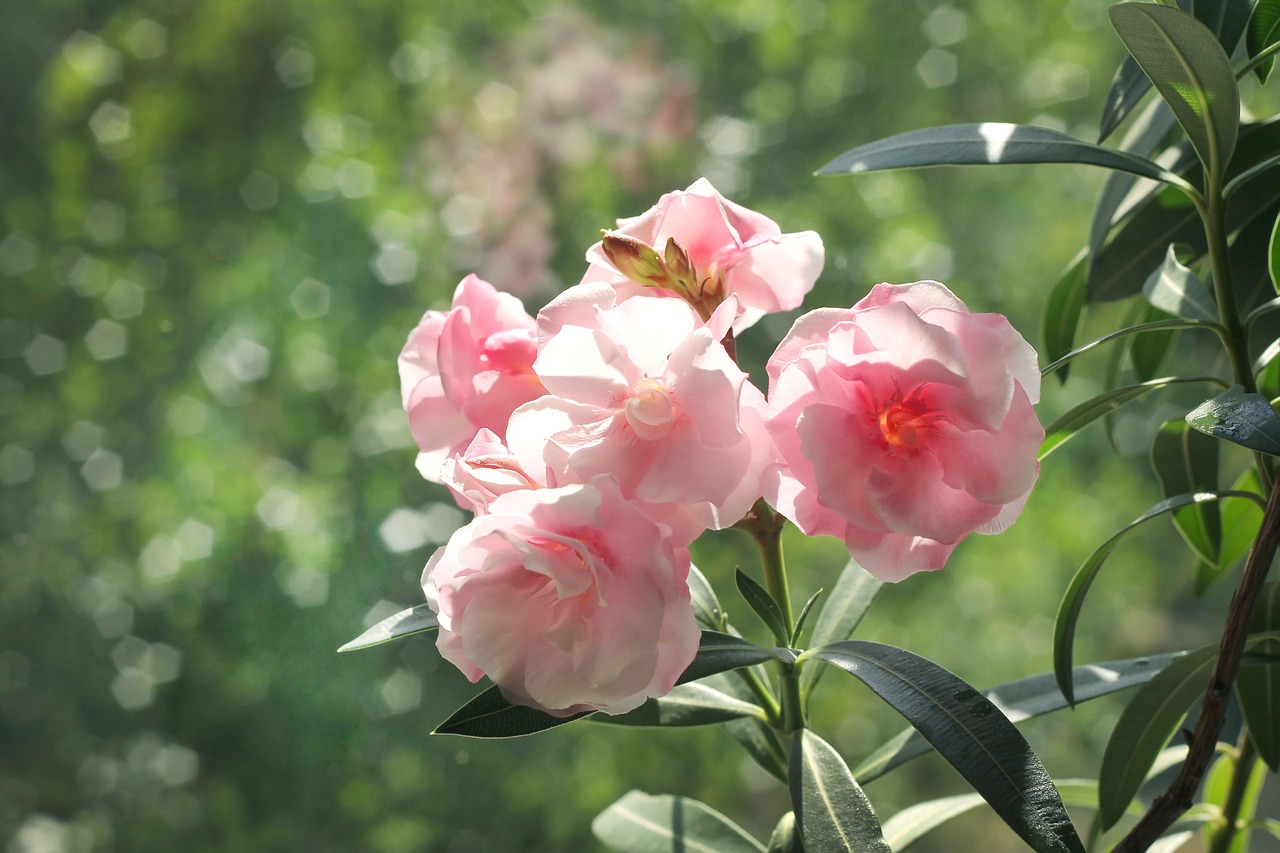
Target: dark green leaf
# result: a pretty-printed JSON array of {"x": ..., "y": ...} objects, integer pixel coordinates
[
  {"x": 489, "y": 715},
  {"x": 705, "y": 604},
  {"x": 1070, "y": 423},
  {"x": 804, "y": 617},
  {"x": 854, "y": 592},
  {"x": 969, "y": 732},
  {"x": 415, "y": 620},
  {"x": 1177, "y": 290},
  {"x": 1144, "y": 328},
  {"x": 1147, "y": 352},
  {"x": 1263, "y": 31},
  {"x": 687, "y": 705},
  {"x": 1026, "y": 698},
  {"x": 1244, "y": 419},
  {"x": 988, "y": 143},
  {"x": 1240, "y": 523},
  {"x": 1273, "y": 253},
  {"x": 1115, "y": 200},
  {"x": 1191, "y": 71},
  {"x": 658, "y": 823},
  {"x": 1259, "y": 686},
  {"x": 1167, "y": 216},
  {"x": 1226, "y": 19},
  {"x": 909, "y": 825},
  {"x": 1186, "y": 461},
  {"x": 761, "y": 743},
  {"x": 1127, "y": 88},
  {"x": 764, "y": 606},
  {"x": 722, "y": 652},
  {"x": 1063, "y": 309},
  {"x": 1064, "y": 630},
  {"x": 830, "y": 808}
]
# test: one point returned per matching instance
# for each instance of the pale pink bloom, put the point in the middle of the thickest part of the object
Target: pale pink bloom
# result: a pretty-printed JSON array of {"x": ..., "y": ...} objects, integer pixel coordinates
[
  {"x": 905, "y": 423},
  {"x": 643, "y": 391},
  {"x": 465, "y": 369},
  {"x": 483, "y": 471},
  {"x": 733, "y": 250},
  {"x": 569, "y": 599}
]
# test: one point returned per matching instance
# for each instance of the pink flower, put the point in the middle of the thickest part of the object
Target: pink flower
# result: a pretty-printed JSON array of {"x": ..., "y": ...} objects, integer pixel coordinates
[
  {"x": 905, "y": 423},
  {"x": 730, "y": 249},
  {"x": 466, "y": 369},
  {"x": 483, "y": 471},
  {"x": 643, "y": 391},
  {"x": 569, "y": 599}
]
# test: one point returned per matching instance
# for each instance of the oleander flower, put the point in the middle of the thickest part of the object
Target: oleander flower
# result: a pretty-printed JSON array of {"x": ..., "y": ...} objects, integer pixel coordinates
[
  {"x": 720, "y": 249},
  {"x": 905, "y": 423},
  {"x": 483, "y": 471},
  {"x": 466, "y": 369},
  {"x": 643, "y": 390},
  {"x": 569, "y": 599}
]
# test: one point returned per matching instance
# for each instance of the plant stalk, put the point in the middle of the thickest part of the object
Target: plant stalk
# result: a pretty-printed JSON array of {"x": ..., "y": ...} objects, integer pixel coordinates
[
  {"x": 767, "y": 532},
  {"x": 1246, "y": 756}
]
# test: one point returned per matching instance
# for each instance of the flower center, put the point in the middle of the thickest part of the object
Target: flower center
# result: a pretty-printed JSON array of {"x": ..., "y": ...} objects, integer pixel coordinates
[
  {"x": 649, "y": 409},
  {"x": 903, "y": 426},
  {"x": 511, "y": 351}
]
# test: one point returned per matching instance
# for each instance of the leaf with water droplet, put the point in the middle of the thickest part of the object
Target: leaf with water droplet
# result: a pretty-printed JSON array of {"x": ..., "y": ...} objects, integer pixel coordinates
[{"x": 1241, "y": 418}]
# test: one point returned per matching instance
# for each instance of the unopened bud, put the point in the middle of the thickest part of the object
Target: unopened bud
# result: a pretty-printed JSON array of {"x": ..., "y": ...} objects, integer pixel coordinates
[{"x": 633, "y": 258}]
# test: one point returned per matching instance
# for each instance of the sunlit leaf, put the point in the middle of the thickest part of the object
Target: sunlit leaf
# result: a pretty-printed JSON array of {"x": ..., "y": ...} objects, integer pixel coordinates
[
  {"x": 489, "y": 715},
  {"x": 1263, "y": 31},
  {"x": 830, "y": 808},
  {"x": 1217, "y": 791},
  {"x": 1025, "y": 698},
  {"x": 785, "y": 837},
  {"x": 763, "y": 604},
  {"x": 1127, "y": 88},
  {"x": 1179, "y": 291},
  {"x": 1259, "y": 686},
  {"x": 1119, "y": 195},
  {"x": 652, "y": 823},
  {"x": 1186, "y": 461},
  {"x": 705, "y": 604},
  {"x": 848, "y": 602},
  {"x": 1191, "y": 71},
  {"x": 1142, "y": 329},
  {"x": 1062, "y": 311},
  {"x": 988, "y": 143},
  {"x": 414, "y": 620},
  {"x": 1273, "y": 250},
  {"x": 1070, "y": 423},
  {"x": 719, "y": 652},
  {"x": 969, "y": 732},
  {"x": 1240, "y": 522},
  {"x": 912, "y": 823},
  {"x": 1241, "y": 418},
  {"x": 694, "y": 704}
]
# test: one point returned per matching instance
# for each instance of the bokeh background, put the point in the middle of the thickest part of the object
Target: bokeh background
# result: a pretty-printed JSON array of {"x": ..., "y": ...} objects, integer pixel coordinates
[{"x": 219, "y": 219}]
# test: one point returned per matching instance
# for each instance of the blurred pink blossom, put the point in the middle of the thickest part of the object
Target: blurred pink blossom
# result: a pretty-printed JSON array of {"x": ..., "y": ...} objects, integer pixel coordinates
[
  {"x": 905, "y": 424},
  {"x": 569, "y": 599}
]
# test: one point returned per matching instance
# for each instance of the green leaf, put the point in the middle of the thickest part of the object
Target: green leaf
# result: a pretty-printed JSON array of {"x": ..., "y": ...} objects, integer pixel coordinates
[
  {"x": 490, "y": 715},
  {"x": 1117, "y": 197},
  {"x": 1189, "y": 68},
  {"x": 1064, "y": 628},
  {"x": 830, "y": 808},
  {"x": 658, "y": 823},
  {"x": 760, "y": 741},
  {"x": 909, "y": 825},
  {"x": 415, "y": 620},
  {"x": 1217, "y": 789},
  {"x": 1145, "y": 726},
  {"x": 764, "y": 606},
  {"x": 1025, "y": 698},
  {"x": 705, "y": 604},
  {"x": 722, "y": 652},
  {"x": 1186, "y": 461},
  {"x": 1147, "y": 352},
  {"x": 1273, "y": 251},
  {"x": 1240, "y": 522},
  {"x": 693, "y": 704},
  {"x": 1259, "y": 686},
  {"x": 1127, "y": 88},
  {"x": 1069, "y": 424},
  {"x": 1179, "y": 291},
  {"x": 969, "y": 732},
  {"x": 1263, "y": 31},
  {"x": 785, "y": 837},
  {"x": 1144, "y": 328},
  {"x": 988, "y": 143},
  {"x": 1244, "y": 419},
  {"x": 849, "y": 601},
  {"x": 1063, "y": 309},
  {"x": 1226, "y": 19}
]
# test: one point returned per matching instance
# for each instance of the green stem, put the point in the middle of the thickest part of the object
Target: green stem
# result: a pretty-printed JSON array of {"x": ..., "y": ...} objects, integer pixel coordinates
[
  {"x": 768, "y": 701},
  {"x": 1246, "y": 757},
  {"x": 1263, "y": 55},
  {"x": 1215, "y": 229},
  {"x": 767, "y": 532}
]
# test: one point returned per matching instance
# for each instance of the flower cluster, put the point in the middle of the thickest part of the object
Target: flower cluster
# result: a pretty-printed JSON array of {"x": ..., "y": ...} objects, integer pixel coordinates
[{"x": 595, "y": 442}]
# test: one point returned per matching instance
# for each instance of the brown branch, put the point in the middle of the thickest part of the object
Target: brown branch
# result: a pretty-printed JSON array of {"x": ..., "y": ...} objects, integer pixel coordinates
[{"x": 1170, "y": 805}]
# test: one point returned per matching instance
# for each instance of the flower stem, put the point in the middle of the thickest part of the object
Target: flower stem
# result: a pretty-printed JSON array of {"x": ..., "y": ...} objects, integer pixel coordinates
[
  {"x": 1246, "y": 756},
  {"x": 766, "y": 530}
]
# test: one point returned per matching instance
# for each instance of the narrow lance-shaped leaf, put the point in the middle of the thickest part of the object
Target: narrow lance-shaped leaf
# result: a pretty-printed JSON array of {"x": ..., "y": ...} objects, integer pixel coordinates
[
  {"x": 785, "y": 837},
  {"x": 759, "y": 739},
  {"x": 1119, "y": 194},
  {"x": 1147, "y": 352},
  {"x": 1070, "y": 423},
  {"x": 1127, "y": 88},
  {"x": 414, "y": 620},
  {"x": 1241, "y": 418},
  {"x": 1263, "y": 31},
  {"x": 1025, "y": 698},
  {"x": 1217, "y": 791},
  {"x": 1179, "y": 291},
  {"x": 1191, "y": 71},
  {"x": 695, "y": 704},
  {"x": 1259, "y": 686},
  {"x": 705, "y": 604},
  {"x": 989, "y": 143},
  {"x": 1240, "y": 522},
  {"x": 914, "y": 822},
  {"x": 1186, "y": 461},
  {"x": 855, "y": 591},
  {"x": 645, "y": 823},
  {"x": 1073, "y": 600},
  {"x": 1062, "y": 311},
  {"x": 1273, "y": 252},
  {"x": 722, "y": 652},
  {"x": 490, "y": 715},
  {"x": 763, "y": 604},
  {"x": 832, "y": 812},
  {"x": 969, "y": 732}
]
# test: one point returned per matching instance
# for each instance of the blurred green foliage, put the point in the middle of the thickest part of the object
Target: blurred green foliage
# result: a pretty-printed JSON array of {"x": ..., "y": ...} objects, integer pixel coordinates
[{"x": 219, "y": 220}]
